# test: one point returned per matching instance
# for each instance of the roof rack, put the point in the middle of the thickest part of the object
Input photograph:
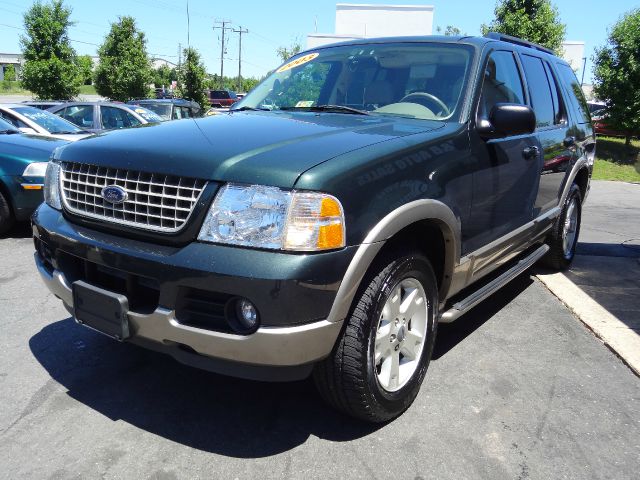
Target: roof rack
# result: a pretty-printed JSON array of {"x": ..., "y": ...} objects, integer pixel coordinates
[{"x": 518, "y": 41}]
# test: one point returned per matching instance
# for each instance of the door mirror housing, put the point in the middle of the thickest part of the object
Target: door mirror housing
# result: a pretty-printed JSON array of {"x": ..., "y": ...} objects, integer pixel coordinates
[{"x": 507, "y": 119}]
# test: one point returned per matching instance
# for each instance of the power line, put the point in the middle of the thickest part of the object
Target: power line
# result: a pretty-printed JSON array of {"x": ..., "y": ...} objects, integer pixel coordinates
[{"x": 83, "y": 42}]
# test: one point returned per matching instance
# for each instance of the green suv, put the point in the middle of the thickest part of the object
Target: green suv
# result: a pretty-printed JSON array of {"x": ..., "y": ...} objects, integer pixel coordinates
[{"x": 361, "y": 194}]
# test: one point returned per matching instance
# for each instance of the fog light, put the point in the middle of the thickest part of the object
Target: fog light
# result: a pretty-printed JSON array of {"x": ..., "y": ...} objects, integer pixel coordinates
[{"x": 247, "y": 314}]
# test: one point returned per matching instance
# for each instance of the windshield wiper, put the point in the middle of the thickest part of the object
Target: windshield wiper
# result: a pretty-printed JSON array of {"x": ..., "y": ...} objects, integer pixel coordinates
[
  {"x": 68, "y": 132},
  {"x": 251, "y": 109},
  {"x": 329, "y": 108},
  {"x": 9, "y": 131}
]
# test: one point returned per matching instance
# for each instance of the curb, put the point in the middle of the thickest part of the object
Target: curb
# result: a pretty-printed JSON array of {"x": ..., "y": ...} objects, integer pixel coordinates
[{"x": 616, "y": 335}]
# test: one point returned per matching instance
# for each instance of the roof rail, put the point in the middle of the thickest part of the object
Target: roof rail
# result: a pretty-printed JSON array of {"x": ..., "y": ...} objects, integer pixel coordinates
[{"x": 518, "y": 41}]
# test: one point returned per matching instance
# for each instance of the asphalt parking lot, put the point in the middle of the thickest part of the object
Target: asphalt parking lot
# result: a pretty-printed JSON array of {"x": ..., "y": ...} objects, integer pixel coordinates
[{"x": 518, "y": 389}]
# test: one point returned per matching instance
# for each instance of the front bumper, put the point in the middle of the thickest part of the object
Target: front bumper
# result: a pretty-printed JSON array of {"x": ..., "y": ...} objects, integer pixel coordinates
[{"x": 294, "y": 299}]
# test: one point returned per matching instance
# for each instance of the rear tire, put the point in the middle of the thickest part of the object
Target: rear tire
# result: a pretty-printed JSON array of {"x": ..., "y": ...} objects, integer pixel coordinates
[
  {"x": 379, "y": 362},
  {"x": 563, "y": 238},
  {"x": 6, "y": 216}
]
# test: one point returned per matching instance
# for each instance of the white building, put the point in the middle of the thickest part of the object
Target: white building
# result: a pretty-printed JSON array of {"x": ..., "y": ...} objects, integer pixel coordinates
[
  {"x": 7, "y": 59},
  {"x": 355, "y": 21},
  {"x": 367, "y": 21}
]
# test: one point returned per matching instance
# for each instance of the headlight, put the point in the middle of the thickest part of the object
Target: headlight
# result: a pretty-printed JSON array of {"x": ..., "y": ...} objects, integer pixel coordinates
[
  {"x": 36, "y": 169},
  {"x": 52, "y": 186},
  {"x": 269, "y": 217}
]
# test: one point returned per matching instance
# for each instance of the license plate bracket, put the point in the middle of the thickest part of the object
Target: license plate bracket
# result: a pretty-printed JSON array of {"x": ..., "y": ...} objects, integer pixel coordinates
[{"x": 101, "y": 310}]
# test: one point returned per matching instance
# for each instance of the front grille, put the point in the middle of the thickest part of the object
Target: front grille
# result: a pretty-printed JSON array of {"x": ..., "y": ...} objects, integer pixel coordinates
[{"x": 154, "y": 201}]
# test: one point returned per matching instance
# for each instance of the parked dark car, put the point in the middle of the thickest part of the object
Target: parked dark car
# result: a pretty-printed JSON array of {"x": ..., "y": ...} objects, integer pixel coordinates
[
  {"x": 394, "y": 184},
  {"x": 222, "y": 98},
  {"x": 170, "y": 109},
  {"x": 23, "y": 161},
  {"x": 100, "y": 116}
]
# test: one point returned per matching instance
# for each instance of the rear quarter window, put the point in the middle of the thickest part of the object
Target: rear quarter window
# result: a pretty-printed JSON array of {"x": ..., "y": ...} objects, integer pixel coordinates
[
  {"x": 574, "y": 91},
  {"x": 540, "y": 91}
]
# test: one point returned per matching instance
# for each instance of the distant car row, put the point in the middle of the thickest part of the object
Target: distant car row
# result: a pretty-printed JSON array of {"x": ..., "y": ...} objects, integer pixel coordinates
[{"x": 30, "y": 131}]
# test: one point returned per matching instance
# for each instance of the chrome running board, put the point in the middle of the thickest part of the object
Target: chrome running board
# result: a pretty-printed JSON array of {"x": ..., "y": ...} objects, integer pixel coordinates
[{"x": 463, "y": 306}]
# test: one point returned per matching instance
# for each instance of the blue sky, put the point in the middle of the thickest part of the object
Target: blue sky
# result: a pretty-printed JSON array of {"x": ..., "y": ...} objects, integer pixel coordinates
[{"x": 272, "y": 24}]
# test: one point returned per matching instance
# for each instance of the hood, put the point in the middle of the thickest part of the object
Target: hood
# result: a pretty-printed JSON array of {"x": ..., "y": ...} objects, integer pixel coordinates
[
  {"x": 18, "y": 150},
  {"x": 250, "y": 147}
]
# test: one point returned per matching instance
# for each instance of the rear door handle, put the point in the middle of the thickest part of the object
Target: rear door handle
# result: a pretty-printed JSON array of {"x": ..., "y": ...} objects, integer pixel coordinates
[{"x": 530, "y": 152}]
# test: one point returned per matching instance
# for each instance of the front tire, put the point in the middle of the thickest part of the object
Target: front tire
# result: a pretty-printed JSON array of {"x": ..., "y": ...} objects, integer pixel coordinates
[
  {"x": 378, "y": 364},
  {"x": 563, "y": 238},
  {"x": 6, "y": 216}
]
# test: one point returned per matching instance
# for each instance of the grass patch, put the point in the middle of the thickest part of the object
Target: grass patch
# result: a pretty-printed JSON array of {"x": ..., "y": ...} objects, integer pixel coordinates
[
  {"x": 12, "y": 88},
  {"x": 614, "y": 162},
  {"x": 87, "y": 90}
]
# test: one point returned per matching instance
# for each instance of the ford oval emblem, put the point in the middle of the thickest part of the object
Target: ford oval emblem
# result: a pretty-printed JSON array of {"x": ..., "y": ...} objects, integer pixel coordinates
[{"x": 114, "y": 194}]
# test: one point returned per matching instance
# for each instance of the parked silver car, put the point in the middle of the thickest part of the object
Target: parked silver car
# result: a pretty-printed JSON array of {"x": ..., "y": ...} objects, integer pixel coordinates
[
  {"x": 40, "y": 122},
  {"x": 100, "y": 116}
]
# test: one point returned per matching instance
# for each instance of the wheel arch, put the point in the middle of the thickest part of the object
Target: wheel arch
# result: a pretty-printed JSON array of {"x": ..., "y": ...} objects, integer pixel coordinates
[{"x": 429, "y": 225}]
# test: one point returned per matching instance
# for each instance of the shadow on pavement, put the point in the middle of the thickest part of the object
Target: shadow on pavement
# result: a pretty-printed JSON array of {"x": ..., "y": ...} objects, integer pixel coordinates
[
  {"x": 210, "y": 412},
  {"x": 625, "y": 250},
  {"x": 451, "y": 334},
  {"x": 610, "y": 274},
  {"x": 19, "y": 230}
]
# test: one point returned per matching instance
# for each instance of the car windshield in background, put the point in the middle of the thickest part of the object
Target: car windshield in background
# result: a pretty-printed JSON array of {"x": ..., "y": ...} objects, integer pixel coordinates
[
  {"x": 47, "y": 120},
  {"x": 161, "y": 110},
  {"x": 146, "y": 113},
  {"x": 423, "y": 81}
]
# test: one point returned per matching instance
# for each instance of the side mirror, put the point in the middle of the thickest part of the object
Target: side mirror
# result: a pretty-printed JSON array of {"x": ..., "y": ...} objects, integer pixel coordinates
[{"x": 507, "y": 119}]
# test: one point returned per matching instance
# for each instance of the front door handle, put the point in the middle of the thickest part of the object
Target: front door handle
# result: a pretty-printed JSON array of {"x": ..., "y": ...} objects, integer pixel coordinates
[{"x": 530, "y": 152}]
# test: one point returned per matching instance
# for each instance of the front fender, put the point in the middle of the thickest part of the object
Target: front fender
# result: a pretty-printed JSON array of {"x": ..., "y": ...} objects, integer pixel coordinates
[{"x": 385, "y": 229}]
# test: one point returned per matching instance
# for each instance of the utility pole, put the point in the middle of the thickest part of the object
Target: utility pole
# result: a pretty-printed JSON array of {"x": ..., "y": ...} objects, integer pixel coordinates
[
  {"x": 240, "y": 31},
  {"x": 223, "y": 28}
]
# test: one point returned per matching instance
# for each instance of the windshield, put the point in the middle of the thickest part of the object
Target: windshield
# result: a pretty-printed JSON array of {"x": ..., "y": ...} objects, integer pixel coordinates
[
  {"x": 162, "y": 110},
  {"x": 417, "y": 80},
  {"x": 147, "y": 113},
  {"x": 47, "y": 120}
]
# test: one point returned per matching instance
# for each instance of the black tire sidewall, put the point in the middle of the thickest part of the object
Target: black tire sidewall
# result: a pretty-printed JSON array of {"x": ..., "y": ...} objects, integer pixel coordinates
[
  {"x": 574, "y": 193},
  {"x": 417, "y": 267},
  {"x": 6, "y": 216}
]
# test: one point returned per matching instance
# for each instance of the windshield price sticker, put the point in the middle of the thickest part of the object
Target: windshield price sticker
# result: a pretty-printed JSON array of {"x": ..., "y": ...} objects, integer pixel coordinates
[{"x": 297, "y": 62}]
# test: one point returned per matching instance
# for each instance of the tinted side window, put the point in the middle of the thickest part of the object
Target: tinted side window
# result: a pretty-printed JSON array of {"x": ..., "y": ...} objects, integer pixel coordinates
[
  {"x": 502, "y": 83},
  {"x": 113, "y": 117},
  {"x": 80, "y": 115},
  {"x": 539, "y": 89},
  {"x": 558, "y": 107},
  {"x": 133, "y": 121},
  {"x": 576, "y": 97}
]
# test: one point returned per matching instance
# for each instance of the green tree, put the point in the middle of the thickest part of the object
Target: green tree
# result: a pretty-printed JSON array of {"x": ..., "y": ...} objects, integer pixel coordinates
[
  {"x": 617, "y": 76},
  {"x": 537, "y": 21},
  {"x": 163, "y": 75},
  {"x": 85, "y": 69},
  {"x": 191, "y": 78},
  {"x": 124, "y": 71},
  {"x": 10, "y": 73},
  {"x": 285, "y": 53},
  {"x": 50, "y": 70},
  {"x": 450, "y": 30}
]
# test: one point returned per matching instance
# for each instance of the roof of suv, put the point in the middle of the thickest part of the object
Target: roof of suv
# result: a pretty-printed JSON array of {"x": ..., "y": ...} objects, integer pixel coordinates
[{"x": 491, "y": 37}]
